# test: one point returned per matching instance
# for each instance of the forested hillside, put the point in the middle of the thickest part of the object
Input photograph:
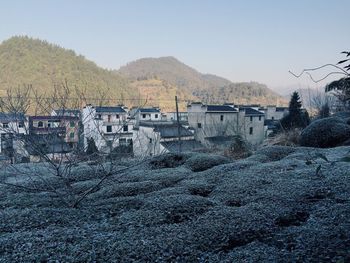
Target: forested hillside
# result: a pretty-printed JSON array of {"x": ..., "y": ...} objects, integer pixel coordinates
[
  {"x": 25, "y": 60},
  {"x": 148, "y": 81},
  {"x": 205, "y": 87}
]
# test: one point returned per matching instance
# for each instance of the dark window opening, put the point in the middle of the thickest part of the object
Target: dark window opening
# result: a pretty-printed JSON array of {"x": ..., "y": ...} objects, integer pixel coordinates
[
  {"x": 144, "y": 116},
  {"x": 199, "y": 125},
  {"x": 5, "y": 125},
  {"x": 109, "y": 128},
  {"x": 259, "y": 118},
  {"x": 117, "y": 116},
  {"x": 72, "y": 124},
  {"x": 251, "y": 130},
  {"x": 150, "y": 140},
  {"x": 109, "y": 118},
  {"x": 221, "y": 117},
  {"x": 125, "y": 128},
  {"x": 21, "y": 124},
  {"x": 251, "y": 118},
  {"x": 40, "y": 124},
  {"x": 71, "y": 135},
  {"x": 156, "y": 116}
]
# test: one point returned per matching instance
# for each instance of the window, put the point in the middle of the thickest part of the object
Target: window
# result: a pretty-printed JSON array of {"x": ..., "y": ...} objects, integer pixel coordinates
[
  {"x": 72, "y": 124},
  {"x": 99, "y": 116},
  {"x": 251, "y": 118},
  {"x": 144, "y": 116},
  {"x": 109, "y": 118},
  {"x": 21, "y": 124},
  {"x": 259, "y": 118},
  {"x": 272, "y": 118},
  {"x": 117, "y": 116},
  {"x": 5, "y": 125},
  {"x": 125, "y": 128},
  {"x": 150, "y": 140},
  {"x": 251, "y": 130},
  {"x": 156, "y": 116},
  {"x": 49, "y": 124},
  {"x": 122, "y": 142},
  {"x": 71, "y": 135},
  {"x": 109, "y": 128},
  {"x": 40, "y": 124},
  {"x": 221, "y": 117},
  {"x": 199, "y": 125}
]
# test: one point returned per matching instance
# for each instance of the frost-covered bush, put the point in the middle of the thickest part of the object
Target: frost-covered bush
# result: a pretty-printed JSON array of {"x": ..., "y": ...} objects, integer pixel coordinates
[{"x": 201, "y": 162}]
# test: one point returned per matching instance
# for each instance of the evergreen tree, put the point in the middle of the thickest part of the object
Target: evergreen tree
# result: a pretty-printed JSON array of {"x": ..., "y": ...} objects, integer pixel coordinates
[
  {"x": 91, "y": 148},
  {"x": 296, "y": 118}
]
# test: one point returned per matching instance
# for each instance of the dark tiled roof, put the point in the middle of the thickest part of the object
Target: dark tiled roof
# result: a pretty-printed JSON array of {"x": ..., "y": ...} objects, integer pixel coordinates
[
  {"x": 149, "y": 110},
  {"x": 250, "y": 112},
  {"x": 221, "y": 108},
  {"x": 186, "y": 146},
  {"x": 49, "y": 118},
  {"x": 281, "y": 108},
  {"x": 12, "y": 117},
  {"x": 110, "y": 109},
  {"x": 167, "y": 129},
  {"x": 172, "y": 131}
]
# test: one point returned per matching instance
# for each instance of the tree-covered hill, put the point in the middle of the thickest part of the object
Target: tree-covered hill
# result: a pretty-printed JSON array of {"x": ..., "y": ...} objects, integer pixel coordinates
[
  {"x": 25, "y": 60},
  {"x": 45, "y": 66},
  {"x": 206, "y": 87},
  {"x": 173, "y": 71}
]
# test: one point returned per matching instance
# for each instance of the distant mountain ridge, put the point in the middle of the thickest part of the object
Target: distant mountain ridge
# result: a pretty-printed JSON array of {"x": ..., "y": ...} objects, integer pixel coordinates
[
  {"x": 206, "y": 87},
  {"x": 146, "y": 82},
  {"x": 173, "y": 71}
]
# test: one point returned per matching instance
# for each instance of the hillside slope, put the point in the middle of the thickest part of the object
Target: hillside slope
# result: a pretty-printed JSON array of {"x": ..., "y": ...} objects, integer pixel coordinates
[
  {"x": 25, "y": 60},
  {"x": 205, "y": 87}
]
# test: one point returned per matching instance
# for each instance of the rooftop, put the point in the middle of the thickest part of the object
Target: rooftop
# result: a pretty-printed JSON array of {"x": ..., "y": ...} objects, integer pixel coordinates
[
  {"x": 117, "y": 109},
  {"x": 149, "y": 110},
  {"x": 12, "y": 117},
  {"x": 221, "y": 108}
]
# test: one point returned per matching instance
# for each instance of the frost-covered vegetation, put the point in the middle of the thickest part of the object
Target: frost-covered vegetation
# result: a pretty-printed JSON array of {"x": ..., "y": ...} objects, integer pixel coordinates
[{"x": 281, "y": 204}]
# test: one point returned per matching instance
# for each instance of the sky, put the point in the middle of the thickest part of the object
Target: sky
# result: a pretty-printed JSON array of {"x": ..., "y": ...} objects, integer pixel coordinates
[{"x": 247, "y": 40}]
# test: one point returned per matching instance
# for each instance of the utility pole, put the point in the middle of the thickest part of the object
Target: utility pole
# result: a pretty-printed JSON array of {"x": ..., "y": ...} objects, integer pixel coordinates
[{"x": 178, "y": 123}]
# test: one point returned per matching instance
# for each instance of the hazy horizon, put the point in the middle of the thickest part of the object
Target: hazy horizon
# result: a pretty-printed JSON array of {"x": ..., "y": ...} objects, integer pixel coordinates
[{"x": 238, "y": 40}]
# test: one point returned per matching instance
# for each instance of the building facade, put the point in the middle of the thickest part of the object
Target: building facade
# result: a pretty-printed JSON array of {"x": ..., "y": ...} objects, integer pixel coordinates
[{"x": 109, "y": 127}]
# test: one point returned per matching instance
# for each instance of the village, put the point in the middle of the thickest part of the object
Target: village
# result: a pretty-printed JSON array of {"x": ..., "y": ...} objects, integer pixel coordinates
[{"x": 136, "y": 132}]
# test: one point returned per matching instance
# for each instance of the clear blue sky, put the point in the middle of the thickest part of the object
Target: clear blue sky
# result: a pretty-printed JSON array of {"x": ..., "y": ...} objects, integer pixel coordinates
[{"x": 241, "y": 40}]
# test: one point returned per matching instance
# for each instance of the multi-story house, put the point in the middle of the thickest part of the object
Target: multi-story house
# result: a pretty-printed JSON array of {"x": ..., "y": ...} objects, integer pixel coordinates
[
  {"x": 275, "y": 113},
  {"x": 155, "y": 138},
  {"x": 13, "y": 127},
  {"x": 65, "y": 128},
  {"x": 217, "y": 124},
  {"x": 145, "y": 114},
  {"x": 109, "y": 127}
]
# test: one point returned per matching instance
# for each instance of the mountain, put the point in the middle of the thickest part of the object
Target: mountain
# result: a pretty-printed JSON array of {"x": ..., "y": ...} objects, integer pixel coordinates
[
  {"x": 25, "y": 60},
  {"x": 205, "y": 87},
  {"x": 145, "y": 82},
  {"x": 172, "y": 71}
]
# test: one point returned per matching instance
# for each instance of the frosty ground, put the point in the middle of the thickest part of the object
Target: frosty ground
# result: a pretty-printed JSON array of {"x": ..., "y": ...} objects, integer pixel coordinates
[{"x": 282, "y": 204}]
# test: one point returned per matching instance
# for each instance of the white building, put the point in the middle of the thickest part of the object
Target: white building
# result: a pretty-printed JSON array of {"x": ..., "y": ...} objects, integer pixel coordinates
[
  {"x": 13, "y": 126},
  {"x": 275, "y": 113},
  {"x": 108, "y": 126},
  {"x": 216, "y": 124},
  {"x": 155, "y": 138}
]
